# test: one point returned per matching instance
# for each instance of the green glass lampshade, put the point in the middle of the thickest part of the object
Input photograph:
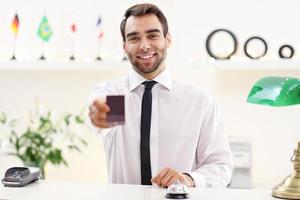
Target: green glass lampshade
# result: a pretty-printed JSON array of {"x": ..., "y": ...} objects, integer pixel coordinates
[{"x": 275, "y": 91}]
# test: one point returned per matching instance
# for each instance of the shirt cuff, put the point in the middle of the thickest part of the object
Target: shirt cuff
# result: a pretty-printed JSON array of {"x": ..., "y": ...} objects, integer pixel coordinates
[
  {"x": 190, "y": 178},
  {"x": 199, "y": 179}
]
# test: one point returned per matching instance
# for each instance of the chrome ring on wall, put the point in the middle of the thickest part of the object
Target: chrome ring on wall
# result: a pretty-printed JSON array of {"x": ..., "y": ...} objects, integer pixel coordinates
[
  {"x": 208, "y": 47},
  {"x": 286, "y": 46},
  {"x": 255, "y": 38}
]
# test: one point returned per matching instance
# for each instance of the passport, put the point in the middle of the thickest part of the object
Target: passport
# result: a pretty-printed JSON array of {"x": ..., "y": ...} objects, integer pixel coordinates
[{"x": 116, "y": 103}]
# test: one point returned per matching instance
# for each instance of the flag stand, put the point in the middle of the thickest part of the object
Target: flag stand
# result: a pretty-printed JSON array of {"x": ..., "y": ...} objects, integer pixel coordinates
[
  {"x": 124, "y": 58},
  {"x": 72, "y": 57},
  {"x": 42, "y": 57},
  {"x": 15, "y": 28},
  {"x": 98, "y": 58},
  {"x": 14, "y": 47},
  {"x": 99, "y": 37},
  {"x": 73, "y": 29},
  {"x": 13, "y": 57}
]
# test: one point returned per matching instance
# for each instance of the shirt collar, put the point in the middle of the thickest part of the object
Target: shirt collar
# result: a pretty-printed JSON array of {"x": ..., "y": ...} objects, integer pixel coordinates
[{"x": 164, "y": 78}]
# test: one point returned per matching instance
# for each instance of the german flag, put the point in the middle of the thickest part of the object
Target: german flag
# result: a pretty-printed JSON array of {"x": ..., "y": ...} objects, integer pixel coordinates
[{"x": 15, "y": 24}]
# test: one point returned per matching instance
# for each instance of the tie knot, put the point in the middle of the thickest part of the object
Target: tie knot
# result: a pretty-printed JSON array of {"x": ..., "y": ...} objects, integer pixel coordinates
[{"x": 149, "y": 84}]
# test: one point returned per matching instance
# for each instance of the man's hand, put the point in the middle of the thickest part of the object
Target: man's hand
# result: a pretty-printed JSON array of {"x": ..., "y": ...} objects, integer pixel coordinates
[
  {"x": 98, "y": 113},
  {"x": 168, "y": 176}
]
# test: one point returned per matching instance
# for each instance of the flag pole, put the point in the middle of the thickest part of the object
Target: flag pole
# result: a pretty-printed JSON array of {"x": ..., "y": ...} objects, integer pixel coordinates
[
  {"x": 99, "y": 36},
  {"x": 73, "y": 30},
  {"x": 42, "y": 57},
  {"x": 98, "y": 58},
  {"x": 72, "y": 49},
  {"x": 15, "y": 28},
  {"x": 14, "y": 48}
]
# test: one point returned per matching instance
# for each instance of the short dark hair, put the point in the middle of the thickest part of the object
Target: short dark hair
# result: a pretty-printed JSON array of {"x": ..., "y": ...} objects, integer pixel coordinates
[{"x": 141, "y": 10}]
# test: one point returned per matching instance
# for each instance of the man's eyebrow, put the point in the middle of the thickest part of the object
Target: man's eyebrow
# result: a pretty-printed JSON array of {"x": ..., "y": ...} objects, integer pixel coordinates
[
  {"x": 132, "y": 34},
  {"x": 154, "y": 30}
]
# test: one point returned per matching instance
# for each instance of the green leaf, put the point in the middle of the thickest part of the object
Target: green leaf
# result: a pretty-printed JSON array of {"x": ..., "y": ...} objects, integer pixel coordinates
[
  {"x": 65, "y": 162},
  {"x": 46, "y": 125},
  {"x": 49, "y": 114},
  {"x": 79, "y": 120},
  {"x": 2, "y": 117},
  {"x": 55, "y": 156},
  {"x": 67, "y": 119},
  {"x": 74, "y": 147},
  {"x": 83, "y": 141}
]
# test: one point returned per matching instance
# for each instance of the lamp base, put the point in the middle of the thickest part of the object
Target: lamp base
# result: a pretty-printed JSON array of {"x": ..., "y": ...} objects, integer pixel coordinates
[
  {"x": 288, "y": 189},
  {"x": 290, "y": 186}
]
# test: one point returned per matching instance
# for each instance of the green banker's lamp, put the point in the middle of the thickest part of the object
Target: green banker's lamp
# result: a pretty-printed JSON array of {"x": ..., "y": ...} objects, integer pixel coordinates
[{"x": 281, "y": 91}]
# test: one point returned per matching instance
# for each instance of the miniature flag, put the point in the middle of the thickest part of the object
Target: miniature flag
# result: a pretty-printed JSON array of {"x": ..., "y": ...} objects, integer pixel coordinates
[
  {"x": 73, "y": 28},
  {"x": 101, "y": 34},
  {"x": 15, "y": 24},
  {"x": 44, "y": 31},
  {"x": 99, "y": 21}
]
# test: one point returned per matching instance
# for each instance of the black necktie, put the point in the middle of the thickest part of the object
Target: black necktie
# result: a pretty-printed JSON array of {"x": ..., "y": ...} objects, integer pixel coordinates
[{"x": 145, "y": 133}]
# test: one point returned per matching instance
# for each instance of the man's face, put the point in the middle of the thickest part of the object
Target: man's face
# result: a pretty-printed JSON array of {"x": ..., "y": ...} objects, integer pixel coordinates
[{"x": 145, "y": 44}]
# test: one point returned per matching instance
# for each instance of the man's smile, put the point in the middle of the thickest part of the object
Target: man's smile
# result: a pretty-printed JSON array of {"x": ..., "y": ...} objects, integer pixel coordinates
[{"x": 146, "y": 56}]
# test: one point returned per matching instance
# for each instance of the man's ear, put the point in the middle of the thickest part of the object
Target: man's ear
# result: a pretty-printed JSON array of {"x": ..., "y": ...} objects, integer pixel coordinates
[{"x": 168, "y": 40}]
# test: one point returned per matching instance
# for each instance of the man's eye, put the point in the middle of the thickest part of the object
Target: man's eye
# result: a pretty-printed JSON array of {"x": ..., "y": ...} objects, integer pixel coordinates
[
  {"x": 153, "y": 36},
  {"x": 133, "y": 39}
]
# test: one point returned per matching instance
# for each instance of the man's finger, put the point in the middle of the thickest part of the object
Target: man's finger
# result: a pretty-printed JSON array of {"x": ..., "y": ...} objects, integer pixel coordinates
[
  {"x": 160, "y": 175},
  {"x": 101, "y": 105},
  {"x": 172, "y": 181},
  {"x": 93, "y": 109},
  {"x": 167, "y": 178},
  {"x": 98, "y": 122}
]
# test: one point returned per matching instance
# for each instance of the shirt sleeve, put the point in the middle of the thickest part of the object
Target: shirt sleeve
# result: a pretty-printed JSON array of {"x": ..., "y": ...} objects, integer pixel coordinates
[{"x": 213, "y": 158}]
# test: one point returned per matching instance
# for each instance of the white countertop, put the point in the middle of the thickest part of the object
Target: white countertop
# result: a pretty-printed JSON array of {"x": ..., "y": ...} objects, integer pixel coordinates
[{"x": 44, "y": 190}]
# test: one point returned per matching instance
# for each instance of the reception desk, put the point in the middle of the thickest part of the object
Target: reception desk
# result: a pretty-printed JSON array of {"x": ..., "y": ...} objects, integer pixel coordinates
[{"x": 55, "y": 190}]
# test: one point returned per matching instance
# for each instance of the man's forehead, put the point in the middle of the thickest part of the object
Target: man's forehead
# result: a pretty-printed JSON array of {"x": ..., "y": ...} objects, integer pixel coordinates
[{"x": 142, "y": 24}]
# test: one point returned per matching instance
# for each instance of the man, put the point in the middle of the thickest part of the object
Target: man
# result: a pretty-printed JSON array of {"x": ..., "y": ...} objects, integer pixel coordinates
[{"x": 173, "y": 132}]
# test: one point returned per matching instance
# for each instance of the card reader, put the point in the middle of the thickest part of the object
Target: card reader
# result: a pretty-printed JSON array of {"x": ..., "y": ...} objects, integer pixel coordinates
[{"x": 20, "y": 176}]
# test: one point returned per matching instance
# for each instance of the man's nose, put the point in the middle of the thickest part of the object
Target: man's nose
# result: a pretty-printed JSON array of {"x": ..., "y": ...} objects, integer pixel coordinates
[{"x": 145, "y": 46}]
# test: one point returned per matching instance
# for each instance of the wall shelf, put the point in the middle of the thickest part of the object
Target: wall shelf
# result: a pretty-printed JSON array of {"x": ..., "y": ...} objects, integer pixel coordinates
[
  {"x": 61, "y": 66},
  {"x": 249, "y": 65}
]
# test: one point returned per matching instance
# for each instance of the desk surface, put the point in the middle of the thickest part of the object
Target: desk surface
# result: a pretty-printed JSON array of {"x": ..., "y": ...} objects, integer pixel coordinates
[{"x": 78, "y": 190}]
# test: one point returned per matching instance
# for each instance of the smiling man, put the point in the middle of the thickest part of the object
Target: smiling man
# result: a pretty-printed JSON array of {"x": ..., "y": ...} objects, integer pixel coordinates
[{"x": 173, "y": 131}]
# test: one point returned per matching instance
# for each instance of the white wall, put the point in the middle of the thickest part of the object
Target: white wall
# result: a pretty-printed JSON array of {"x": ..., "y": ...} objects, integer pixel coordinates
[{"x": 272, "y": 131}]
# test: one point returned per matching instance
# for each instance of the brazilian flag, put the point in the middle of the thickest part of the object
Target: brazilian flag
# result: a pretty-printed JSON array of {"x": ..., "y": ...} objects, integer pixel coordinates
[{"x": 44, "y": 31}]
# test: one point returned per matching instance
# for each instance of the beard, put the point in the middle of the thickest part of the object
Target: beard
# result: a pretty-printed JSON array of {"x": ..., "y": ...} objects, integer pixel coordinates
[{"x": 147, "y": 70}]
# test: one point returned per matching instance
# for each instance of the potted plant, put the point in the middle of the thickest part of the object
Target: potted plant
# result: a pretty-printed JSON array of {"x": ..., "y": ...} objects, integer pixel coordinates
[{"x": 40, "y": 138}]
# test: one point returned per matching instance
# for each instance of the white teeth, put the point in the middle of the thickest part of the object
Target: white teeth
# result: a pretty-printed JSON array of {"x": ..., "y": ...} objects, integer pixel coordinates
[{"x": 146, "y": 57}]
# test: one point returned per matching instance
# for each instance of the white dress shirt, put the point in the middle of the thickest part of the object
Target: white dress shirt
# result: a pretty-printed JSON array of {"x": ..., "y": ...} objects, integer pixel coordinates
[{"x": 186, "y": 132}]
